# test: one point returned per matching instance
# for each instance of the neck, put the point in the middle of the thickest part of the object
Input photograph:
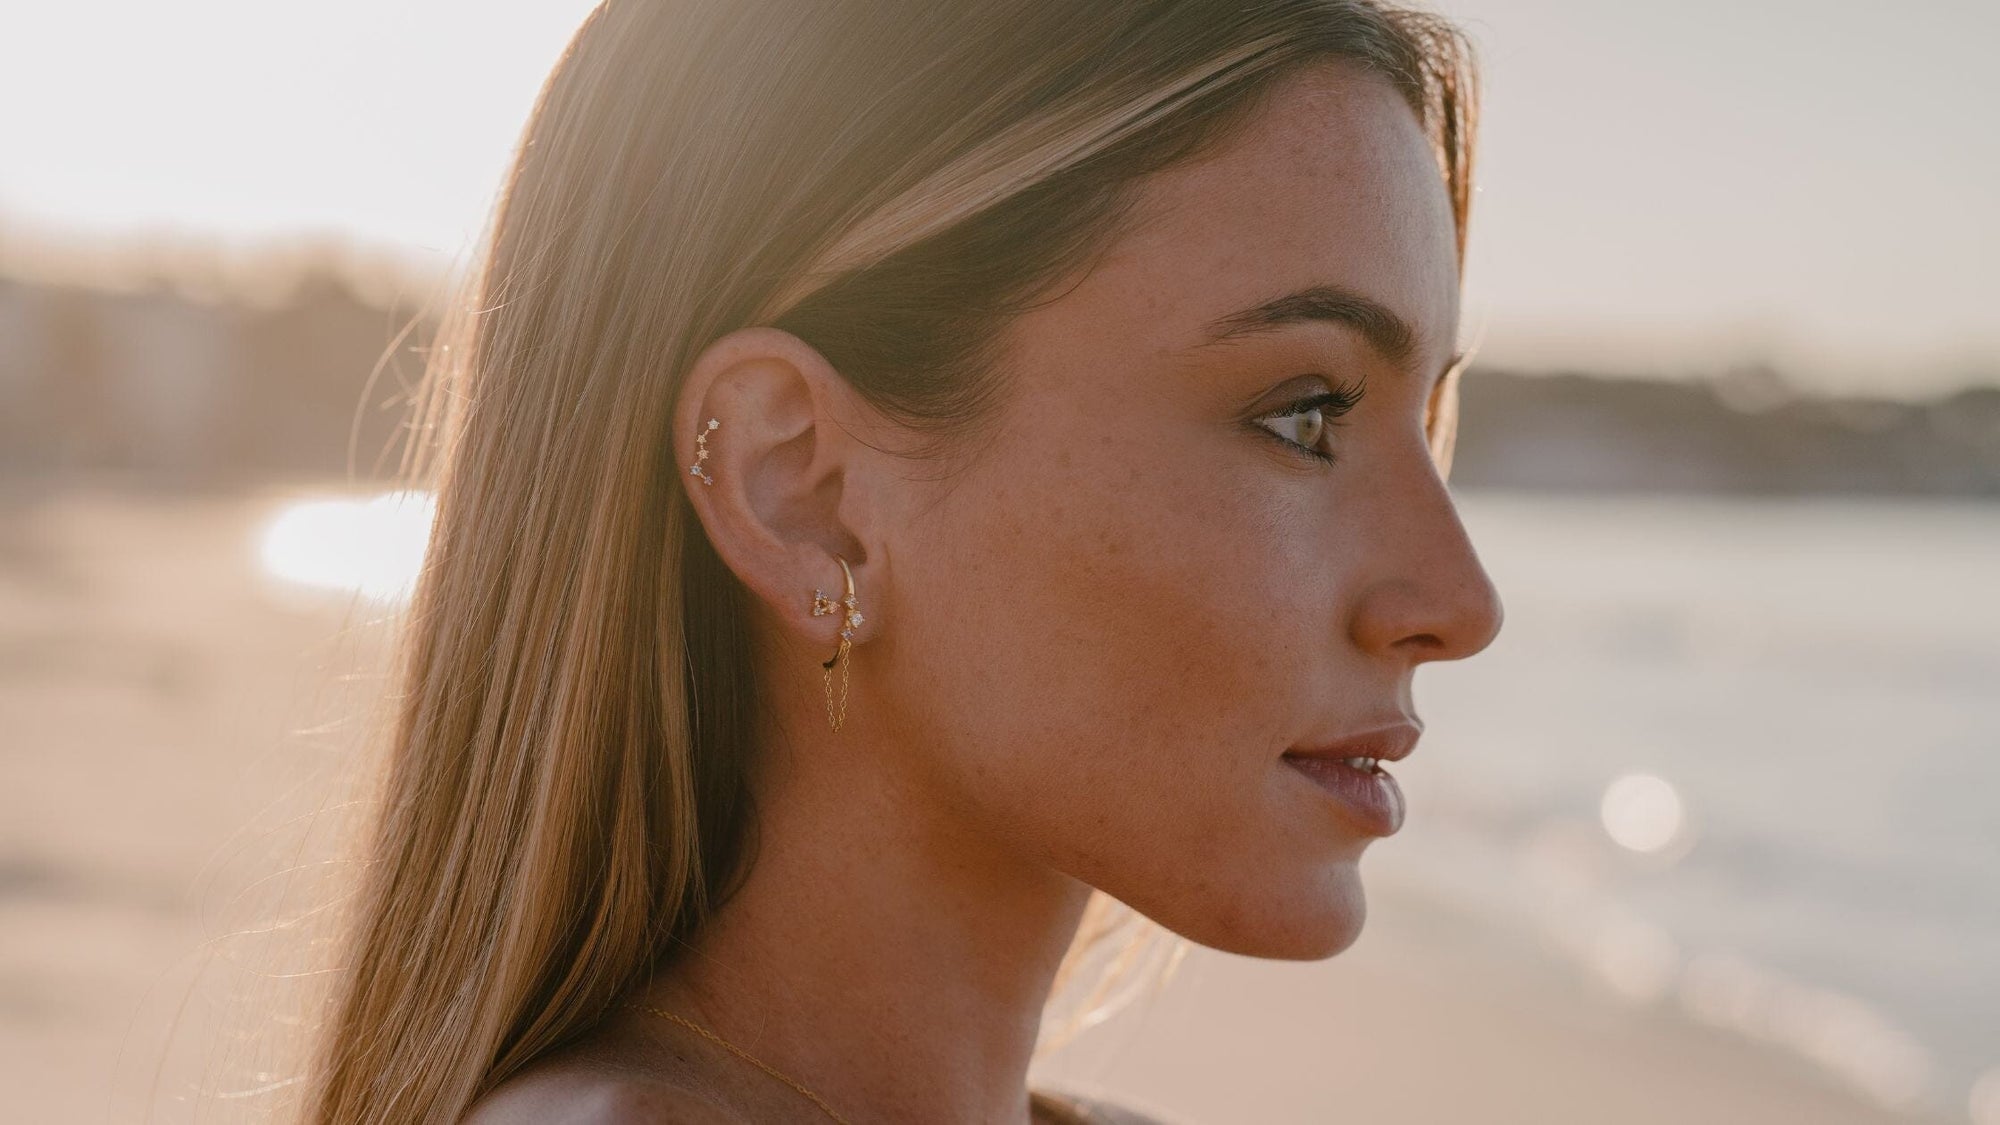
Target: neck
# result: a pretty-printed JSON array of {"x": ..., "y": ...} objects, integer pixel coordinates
[{"x": 883, "y": 952}]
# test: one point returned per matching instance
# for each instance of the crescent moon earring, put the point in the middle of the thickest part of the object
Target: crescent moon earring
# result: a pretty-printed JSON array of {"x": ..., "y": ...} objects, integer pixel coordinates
[{"x": 823, "y": 605}]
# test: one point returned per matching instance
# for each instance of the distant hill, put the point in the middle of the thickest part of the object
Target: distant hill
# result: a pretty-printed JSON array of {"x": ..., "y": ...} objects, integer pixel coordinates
[
  {"x": 183, "y": 390},
  {"x": 175, "y": 389},
  {"x": 1745, "y": 434}
]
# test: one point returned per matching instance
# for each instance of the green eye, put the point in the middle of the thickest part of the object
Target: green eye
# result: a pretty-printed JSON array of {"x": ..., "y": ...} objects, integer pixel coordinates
[
  {"x": 1306, "y": 426},
  {"x": 1307, "y": 419}
]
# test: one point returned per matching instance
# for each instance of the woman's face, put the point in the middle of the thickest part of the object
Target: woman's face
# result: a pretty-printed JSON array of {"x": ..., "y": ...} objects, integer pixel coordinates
[{"x": 1103, "y": 635}]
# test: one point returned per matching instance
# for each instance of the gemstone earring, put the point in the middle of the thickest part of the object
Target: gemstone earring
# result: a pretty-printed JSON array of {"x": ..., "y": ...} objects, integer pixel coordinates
[
  {"x": 701, "y": 453},
  {"x": 823, "y": 605}
]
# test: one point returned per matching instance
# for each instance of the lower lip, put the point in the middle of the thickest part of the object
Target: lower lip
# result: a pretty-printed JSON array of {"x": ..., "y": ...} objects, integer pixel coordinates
[{"x": 1373, "y": 801}]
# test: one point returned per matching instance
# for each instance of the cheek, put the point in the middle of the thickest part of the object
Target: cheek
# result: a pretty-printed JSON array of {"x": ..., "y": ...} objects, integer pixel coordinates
[{"x": 1110, "y": 649}]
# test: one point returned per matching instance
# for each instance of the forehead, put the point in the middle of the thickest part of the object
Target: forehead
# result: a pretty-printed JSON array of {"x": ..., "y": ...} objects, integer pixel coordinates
[{"x": 1330, "y": 183}]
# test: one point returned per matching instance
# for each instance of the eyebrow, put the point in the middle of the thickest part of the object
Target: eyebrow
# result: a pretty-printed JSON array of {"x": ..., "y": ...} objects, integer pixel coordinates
[{"x": 1387, "y": 333}]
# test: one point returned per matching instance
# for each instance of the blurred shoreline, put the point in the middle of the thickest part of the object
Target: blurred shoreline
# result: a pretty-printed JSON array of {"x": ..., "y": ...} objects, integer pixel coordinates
[{"x": 302, "y": 363}]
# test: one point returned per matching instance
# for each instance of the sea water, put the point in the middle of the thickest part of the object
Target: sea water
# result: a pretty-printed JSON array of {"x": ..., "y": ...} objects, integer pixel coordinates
[{"x": 1739, "y": 758}]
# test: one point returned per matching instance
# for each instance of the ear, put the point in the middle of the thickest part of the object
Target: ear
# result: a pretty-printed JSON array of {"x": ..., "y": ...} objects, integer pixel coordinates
[{"x": 789, "y": 491}]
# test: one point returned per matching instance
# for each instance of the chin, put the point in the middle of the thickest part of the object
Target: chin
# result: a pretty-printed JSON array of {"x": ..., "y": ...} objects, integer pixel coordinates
[{"x": 1309, "y": 922}]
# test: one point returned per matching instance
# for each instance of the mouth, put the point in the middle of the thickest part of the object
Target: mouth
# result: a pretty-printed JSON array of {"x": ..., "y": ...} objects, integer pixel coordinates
[
  {"x": 1363, "y": 763},
  {"x": 1350, "y": 771}
]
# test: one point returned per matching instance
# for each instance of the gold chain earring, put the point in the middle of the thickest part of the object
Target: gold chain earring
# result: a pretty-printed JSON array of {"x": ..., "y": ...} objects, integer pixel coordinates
[
  {"x": 701, "y": 453},
  {"x": 823, "y": 605}
]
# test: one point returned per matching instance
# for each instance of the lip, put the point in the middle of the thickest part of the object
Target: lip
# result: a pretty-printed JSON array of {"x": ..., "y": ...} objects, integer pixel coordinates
[
  {"x": 1371, "y": 800},
  {"x": 1391, "y": 743}
]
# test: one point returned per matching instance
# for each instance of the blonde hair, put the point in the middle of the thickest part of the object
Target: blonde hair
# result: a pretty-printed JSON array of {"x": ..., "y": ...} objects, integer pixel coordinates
[{"x": 563, "y": 797}]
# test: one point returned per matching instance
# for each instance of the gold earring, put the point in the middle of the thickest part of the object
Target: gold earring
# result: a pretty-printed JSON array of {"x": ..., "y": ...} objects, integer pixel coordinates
[
  {"x": 823, "y": 605},
  {"x": 701, "y": 453}
]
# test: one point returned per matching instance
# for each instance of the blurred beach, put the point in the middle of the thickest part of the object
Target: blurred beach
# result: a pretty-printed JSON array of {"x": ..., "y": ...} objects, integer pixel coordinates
[
  {"x": 1710, "y": 834},
  {"x": 1707, "y": 835}
]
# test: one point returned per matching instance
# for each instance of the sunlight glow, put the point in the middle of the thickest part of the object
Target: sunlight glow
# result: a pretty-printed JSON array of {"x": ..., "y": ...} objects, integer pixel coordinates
[{"x": 373, "y": 547}]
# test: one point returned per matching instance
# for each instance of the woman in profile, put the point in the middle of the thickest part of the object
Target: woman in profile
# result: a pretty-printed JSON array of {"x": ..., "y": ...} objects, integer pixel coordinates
[{"x": 911, "y": 473}]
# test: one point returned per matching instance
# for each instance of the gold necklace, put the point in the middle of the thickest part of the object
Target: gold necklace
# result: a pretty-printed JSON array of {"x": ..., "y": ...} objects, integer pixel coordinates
[
  {"x": 747, "y": 1056},
  {"x": 761, "y": 1064}
]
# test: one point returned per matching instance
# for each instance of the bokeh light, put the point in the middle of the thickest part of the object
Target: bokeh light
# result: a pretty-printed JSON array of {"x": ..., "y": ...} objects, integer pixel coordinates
[{"x": 1642, "y": 812}]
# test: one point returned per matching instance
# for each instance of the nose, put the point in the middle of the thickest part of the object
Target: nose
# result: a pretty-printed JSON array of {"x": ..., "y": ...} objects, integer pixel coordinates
[{"x": 1428, "y": 597}]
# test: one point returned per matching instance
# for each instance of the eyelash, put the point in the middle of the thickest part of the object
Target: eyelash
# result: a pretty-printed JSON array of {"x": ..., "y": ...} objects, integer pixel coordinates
[{"x": 1331, "y": 404}]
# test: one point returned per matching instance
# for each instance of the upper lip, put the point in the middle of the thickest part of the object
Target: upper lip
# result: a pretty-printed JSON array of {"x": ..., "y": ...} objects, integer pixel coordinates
[{"x": 1392, "y": 743}]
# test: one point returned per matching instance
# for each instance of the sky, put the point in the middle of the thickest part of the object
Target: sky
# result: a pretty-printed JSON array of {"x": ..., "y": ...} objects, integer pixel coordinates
[{"x": 1663, "y": 189}]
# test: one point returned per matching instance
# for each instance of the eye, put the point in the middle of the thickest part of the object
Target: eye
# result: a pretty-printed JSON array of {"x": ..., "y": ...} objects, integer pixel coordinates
[{"x": 1303, "y": 424}]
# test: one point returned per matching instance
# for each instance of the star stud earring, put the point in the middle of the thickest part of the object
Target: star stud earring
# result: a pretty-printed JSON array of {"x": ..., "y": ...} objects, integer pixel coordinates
[{"x": 701, "y": 453}]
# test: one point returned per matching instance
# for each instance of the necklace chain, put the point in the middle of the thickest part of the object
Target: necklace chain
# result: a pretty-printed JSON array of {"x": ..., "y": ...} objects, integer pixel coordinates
[{"x": 743, "y": 1054}]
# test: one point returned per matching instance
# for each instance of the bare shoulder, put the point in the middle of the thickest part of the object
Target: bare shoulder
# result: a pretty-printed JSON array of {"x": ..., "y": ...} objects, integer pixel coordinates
[{"x": 583, "y": 1092}]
